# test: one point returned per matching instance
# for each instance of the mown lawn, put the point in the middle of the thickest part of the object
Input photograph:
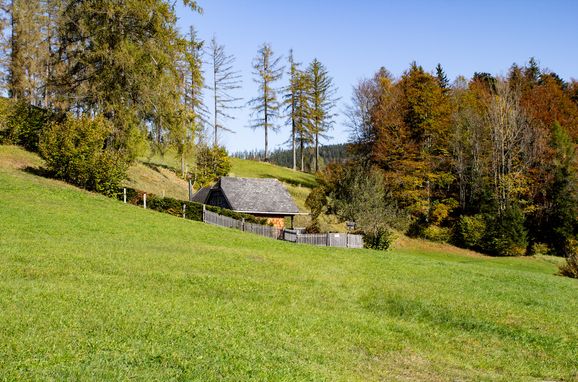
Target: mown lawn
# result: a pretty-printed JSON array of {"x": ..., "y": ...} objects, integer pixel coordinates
[{"x": 92, "y": 289}]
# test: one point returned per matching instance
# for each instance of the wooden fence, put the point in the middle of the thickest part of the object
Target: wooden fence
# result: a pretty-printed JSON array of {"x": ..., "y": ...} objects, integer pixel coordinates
[
  {"x": 343, "y": 240},
  {"x": 225, "y": 221}
]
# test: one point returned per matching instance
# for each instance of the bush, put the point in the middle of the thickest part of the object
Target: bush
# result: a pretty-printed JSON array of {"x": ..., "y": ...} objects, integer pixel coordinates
[
  {"x": 570, "y": 268},
  {"x": 380, "y": 239},
  {"x": 76, "y": 152},
  {"x": 470, "y": 232},
  {"x": 437, "y": 233},
  {"x": 506, "y": 234},
  {"x": 22, "y": 124},
  {"x": 211, "y": 164}
]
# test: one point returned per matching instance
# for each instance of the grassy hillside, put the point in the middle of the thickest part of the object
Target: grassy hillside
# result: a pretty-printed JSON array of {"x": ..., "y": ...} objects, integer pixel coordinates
[
  {"x": 92, "y": 289},
  {"x": 154, "y": 174}
]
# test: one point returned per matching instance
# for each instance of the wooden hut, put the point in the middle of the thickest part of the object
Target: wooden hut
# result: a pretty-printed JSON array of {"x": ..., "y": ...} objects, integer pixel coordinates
[{"x": 265, "y": 198}]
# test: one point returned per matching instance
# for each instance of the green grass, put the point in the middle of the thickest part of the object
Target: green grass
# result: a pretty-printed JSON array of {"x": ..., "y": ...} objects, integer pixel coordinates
[{"x": 92, "y": 289}]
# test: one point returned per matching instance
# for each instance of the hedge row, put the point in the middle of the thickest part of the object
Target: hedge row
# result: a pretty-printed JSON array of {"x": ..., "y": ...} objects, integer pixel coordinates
[{"x": 193, "y": 211}]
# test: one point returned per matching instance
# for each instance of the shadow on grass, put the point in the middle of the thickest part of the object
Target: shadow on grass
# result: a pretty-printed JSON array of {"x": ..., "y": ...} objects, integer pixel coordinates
[{"x": 39, "y": 171}]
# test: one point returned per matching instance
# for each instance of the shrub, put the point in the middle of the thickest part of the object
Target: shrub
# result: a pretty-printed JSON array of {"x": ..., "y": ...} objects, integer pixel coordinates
[
  {"x": 437, "y": 233},
  {"x": 470, "y": 231},
  {"x": 22, "y": 124},
  {"x": 506, "y": 234},
  {"x": 380, "y": 239},
  {"x": 76, "y": 152},
  {"x": 211, "y": 164},
  {"x": 570, "y": 267}
]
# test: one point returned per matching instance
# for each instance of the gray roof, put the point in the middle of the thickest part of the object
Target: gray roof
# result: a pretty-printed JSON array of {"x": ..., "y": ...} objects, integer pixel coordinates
[
  {"x": 251, "y": 195},
  {"x": 201, "y": 195}
]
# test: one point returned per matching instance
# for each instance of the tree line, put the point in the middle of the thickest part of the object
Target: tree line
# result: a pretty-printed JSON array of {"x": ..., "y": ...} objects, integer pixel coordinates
[
  {"x": 328, "y": 153},
  {"x": 488, "y": 162},
  {"x": 127, "y": 62}
]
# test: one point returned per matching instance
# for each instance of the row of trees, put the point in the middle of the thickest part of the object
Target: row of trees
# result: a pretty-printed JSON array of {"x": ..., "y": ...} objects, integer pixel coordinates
[
  {"x": 128, "y": 62},
  {"x": 125, "y": 61},
  {"x": 488, "y": 163},
  {"x": 308, "y": 102}
]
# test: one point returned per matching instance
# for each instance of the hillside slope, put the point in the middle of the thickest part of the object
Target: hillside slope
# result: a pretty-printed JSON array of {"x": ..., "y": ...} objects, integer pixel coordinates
[{"x": 92, "y": 289}]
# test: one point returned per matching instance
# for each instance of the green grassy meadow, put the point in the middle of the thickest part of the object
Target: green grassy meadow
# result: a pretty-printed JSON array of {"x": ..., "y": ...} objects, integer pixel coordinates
[{"x": 92, "y": 289}]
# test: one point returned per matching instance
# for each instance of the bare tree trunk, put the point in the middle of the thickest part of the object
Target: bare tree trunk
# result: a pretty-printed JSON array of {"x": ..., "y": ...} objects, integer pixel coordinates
[
  {"x": 293, "y": 147},
  {"x": 316, "y": 152},
  {"x": 302, "y": 154},
  {"x": 215, "y": 126},
  {"x": 266, "y": 126}
]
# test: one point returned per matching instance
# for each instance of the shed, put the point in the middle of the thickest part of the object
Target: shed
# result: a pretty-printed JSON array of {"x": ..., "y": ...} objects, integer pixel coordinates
[{"x": 266, "y": 198}]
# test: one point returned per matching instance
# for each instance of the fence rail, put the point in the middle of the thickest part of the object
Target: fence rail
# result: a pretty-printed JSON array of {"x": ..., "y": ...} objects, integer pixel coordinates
[{"x": 343, "y": 240}]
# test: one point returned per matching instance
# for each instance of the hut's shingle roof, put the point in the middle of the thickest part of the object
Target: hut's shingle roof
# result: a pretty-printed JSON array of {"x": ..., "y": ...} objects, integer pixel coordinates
[
  {"x": 257, "y": 195},
  {"x": 201, "y": 195},
  {"x": 252, "y": 195}
]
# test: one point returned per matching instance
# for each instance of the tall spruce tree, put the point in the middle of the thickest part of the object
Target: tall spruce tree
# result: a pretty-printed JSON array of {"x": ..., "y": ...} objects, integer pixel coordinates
[
  {"x": 291, "y": 104},
  {"x": 323, "y": 101},
  {"x": 266, "y": 105},
  {"x": 442, "y": 78},
  {"x": 303, "y": 113},
  {"x": 225, "y": 80},
  {"x": 562, "y": 223}
]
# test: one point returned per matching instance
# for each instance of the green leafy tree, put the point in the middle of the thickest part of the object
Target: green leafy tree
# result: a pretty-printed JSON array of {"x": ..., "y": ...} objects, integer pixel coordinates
[
  {"x": 266, "y": 105},
  {"x": 76, "y": 151},
  {"x": 211, "y": 164}
]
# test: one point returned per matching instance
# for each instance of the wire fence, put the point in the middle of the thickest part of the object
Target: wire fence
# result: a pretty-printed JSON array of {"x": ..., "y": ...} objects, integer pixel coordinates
[{"x": 343, "y": 240}]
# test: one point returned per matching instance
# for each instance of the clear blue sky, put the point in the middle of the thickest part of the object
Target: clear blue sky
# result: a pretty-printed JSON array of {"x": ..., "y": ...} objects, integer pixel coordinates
[{"x": 355, "y": 38}]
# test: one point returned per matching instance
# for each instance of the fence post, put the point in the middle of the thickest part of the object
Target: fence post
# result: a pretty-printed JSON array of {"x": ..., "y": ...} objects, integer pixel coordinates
[
  {"x": 242, "y": 224},
  {"x": 124, "y": 195},
  {"x": 184, "y": 209},
  {"x": 145, "y": 200},
  {"x": 328, "y": 241},
  {"x": 204, "y": 209}
]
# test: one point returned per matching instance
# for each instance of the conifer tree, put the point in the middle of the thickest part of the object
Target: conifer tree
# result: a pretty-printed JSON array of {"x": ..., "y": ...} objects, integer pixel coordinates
[
  {"x": 303, "y": 113},
  {"x": 322, "y": 103},
  {"x": 291, "y": 104},
  {"x": 443, "y": 81},
  {"x": 266, "y": 105},
  {"x": 225, "y": 80},
  {"x": 562, "y": 223}
]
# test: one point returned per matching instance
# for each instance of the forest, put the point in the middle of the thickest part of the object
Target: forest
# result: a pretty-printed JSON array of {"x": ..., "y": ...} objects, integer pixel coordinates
[{"x": 486, "y": 162}]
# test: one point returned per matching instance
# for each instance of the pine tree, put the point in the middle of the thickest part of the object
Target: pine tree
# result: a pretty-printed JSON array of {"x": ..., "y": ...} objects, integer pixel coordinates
[
  {"x": 266, "y": 105},
  {"x": 443, "y": 81},
  {"x": 291, "y": 104},
  {"x": 303, "y": 113},
  {"x": 195, "y": 81},
  {"x": 562, "y": 225},
  {"x": 225, "y": 80},
  {"x": 322, "y": 103}
]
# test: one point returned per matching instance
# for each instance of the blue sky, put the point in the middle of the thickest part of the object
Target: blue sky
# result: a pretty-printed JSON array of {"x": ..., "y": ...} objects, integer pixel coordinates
[{"x": 355, "y": 38}]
